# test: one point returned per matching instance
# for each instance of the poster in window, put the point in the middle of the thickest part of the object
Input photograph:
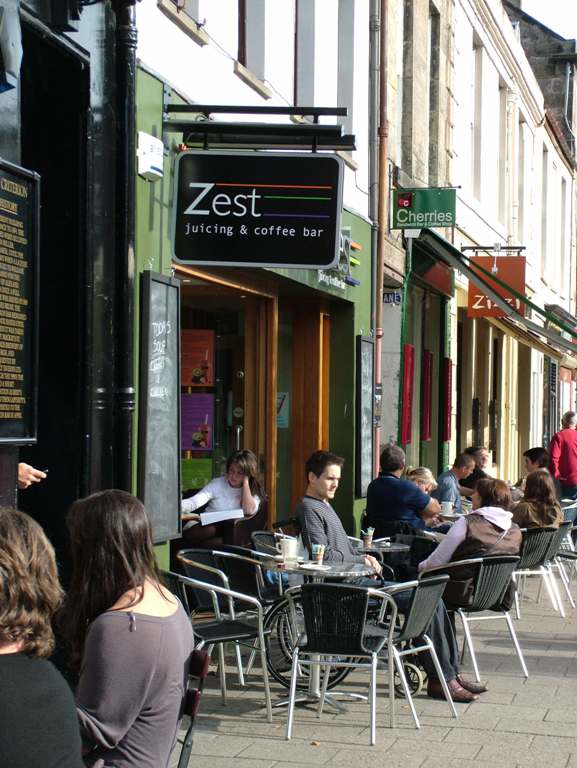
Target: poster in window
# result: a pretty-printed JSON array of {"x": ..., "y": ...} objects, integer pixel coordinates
[
  {"x": 197, "y": 420},
  {"x": 197, "y": 363}
]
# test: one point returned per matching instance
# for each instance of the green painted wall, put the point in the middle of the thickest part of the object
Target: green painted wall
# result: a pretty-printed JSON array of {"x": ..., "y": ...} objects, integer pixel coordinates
[{"x": 350, "y": 309}]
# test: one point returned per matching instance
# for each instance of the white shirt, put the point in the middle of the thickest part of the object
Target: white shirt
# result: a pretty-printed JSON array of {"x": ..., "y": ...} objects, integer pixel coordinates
[
  {"x": 500, "y": 517},
  {"x": 219, "y": 495}
]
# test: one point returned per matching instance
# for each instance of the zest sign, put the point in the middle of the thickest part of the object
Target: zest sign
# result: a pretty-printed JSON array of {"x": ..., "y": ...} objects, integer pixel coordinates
[{"x": 510, "y": 270}]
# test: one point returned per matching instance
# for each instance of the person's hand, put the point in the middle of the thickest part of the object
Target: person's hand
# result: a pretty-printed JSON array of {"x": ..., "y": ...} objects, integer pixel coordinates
[
  {"x": 374, "y": 563},
  {"x": 190, "y": 516},
  {"x": 28, "y": 475}
]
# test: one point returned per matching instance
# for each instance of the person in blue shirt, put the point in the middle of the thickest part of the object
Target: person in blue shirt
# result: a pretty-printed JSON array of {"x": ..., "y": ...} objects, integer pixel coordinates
[
  {"x": 392, "y": 500},
  {"x": 449, "y": 482}
]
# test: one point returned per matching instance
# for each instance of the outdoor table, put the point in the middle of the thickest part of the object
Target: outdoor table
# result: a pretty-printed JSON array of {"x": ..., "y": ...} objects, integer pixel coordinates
[
  {"x": 326, "y": 571},
  {"x": 393, "y": 554}
]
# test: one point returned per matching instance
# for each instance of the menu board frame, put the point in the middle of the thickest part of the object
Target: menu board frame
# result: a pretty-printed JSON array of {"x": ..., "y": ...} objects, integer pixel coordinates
[
  {"x": 364, "y": 414},
  {"x": 30, "y": 180},
  {"x": 162, "y": 504}
]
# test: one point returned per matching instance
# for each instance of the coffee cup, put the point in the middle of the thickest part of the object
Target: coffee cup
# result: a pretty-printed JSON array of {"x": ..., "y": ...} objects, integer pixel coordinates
[
  {"x": 446, "y": 507},
  {"x": 288, "y": 549},
  {"x": 318, "y": 551}
]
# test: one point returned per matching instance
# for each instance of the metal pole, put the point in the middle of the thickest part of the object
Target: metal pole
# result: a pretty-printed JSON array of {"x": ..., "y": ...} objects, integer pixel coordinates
[{"x": 124, "y": 393}]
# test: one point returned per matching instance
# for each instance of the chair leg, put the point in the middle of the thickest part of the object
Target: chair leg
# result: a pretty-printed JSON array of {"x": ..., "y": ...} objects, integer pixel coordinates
[
  {"x": 391, "y": 665},
  {"x": 515, "y": 642},
  {"x": 469, "y": 638},
  {"x": 404, "y": 683},
  {"x": 222, "y": 672},
  {"x": 441, "y": 676},
  {"x": 545, "y": 579},
  {"x": 323, "y": 691},
  {"x": 265, "y": 677},
  {"x": 292, "y": 694},
  {"x": 373, "y": 699},
  {"x": 251, "y": 658},
  {"x": 184, "y": 758},
  {"x": 556, "y": 590},
  {"x": 564, "y": 581},
  {"x": 239, "y": 664}
]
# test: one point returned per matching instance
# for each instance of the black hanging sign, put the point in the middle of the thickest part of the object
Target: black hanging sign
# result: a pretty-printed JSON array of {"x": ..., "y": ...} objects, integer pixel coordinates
[
  {"x": 257, "y": 209},
  {"x": 19, "y": 231}
]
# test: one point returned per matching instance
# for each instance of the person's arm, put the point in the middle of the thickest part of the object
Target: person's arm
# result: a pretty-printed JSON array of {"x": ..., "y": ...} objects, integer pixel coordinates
[
  {"x": 444, "y": 551},
  {"x": 554, "y": 456},
  {"x": 248, "y": 501},
  {"x": 117, "y": 667},
  {"x": 464, "y": 491},
  {"x": 28, "y": 475},
  {"x": 198, "y": 500}
]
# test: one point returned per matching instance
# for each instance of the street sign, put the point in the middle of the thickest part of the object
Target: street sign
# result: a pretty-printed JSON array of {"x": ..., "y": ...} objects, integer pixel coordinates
[
  {"x": 510, "y": 270},
  {"x": 257, "y": 209},
  {"x": 419, "y": 208}
]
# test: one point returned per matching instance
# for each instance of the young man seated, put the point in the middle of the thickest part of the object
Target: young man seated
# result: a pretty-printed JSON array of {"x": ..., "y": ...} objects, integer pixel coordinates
[{"x": 320, "y": 524}]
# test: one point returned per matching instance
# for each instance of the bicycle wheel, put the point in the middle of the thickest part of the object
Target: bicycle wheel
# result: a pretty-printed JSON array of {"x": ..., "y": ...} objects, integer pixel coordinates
[
  {"x": 280, "y": 637},
  {"x": 415, "y": 679}
]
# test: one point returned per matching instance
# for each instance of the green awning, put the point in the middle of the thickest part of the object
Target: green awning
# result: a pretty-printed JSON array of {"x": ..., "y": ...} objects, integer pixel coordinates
[{"x": 443, "y": 249}]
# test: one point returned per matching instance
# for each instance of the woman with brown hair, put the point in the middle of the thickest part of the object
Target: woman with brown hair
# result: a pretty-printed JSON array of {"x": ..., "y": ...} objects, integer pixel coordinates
[
  {"x": 539, "y": 507},
  {"x": 130, "y": 638},
  {"x": 238, "y": 488},
  {"x": 489, "y": 529},
  {"x": 38, "y": 724}
]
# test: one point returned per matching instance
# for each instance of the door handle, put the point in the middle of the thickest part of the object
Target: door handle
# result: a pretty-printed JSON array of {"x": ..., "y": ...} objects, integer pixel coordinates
[{"x": 239, "y": 429}]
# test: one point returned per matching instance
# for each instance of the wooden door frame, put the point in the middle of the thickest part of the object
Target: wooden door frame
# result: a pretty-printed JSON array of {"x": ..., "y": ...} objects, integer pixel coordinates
[{"x": 261, "y": 364}]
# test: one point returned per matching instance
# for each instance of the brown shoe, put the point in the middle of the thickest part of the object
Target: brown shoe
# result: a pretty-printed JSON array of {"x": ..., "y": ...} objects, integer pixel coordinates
[
  {"x": 458, "y": 693},
  {"x": 471, "y": 687}
]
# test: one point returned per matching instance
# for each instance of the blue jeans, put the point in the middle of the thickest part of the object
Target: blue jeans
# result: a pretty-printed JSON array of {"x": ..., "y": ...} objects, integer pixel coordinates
[{"x": 569, "y": 492}]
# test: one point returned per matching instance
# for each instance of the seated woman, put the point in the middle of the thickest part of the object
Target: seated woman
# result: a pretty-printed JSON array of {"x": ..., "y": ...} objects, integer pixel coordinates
[
  {"x": 130, "y": 638},
  {"x": 38, "y": 720},
  {"x": 539, "y": 507},
  {"x": 488, "y": 530},
  {"x": 239, "y": 488},
  {"x": 423, "y": 478}
]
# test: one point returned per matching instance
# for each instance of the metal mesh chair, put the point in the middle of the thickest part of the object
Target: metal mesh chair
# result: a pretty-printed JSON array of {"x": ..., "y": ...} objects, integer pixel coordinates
[
  {"x": 334, "y": 635},
  {"x": 265, "y": 542},
  {"x": 533, "y": 557},
  {"x": 412, "y": 636},
  {"x": 228, "y": 628},
  {"x": 491, "y": 577}
]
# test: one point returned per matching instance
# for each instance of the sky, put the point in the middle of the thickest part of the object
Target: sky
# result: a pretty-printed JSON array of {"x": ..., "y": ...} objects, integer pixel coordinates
[{"x": 558, "y": 15}]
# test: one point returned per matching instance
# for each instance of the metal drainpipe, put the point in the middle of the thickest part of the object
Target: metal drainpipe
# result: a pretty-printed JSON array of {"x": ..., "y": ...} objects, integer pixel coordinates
[
  {"x": 124, "y": 393},
  {"x": 383, "y": 209},
  {"x": 374, "y": 42}
]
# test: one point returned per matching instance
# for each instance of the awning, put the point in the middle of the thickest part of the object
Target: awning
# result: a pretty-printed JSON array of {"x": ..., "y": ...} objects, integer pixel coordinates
[
  {"x": 526, "y": 337},
  {"x": 443, "y": 249}
]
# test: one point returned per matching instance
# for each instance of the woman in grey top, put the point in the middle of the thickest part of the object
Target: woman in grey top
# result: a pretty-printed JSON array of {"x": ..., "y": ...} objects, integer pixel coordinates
[{"x": 131, "y": 639}]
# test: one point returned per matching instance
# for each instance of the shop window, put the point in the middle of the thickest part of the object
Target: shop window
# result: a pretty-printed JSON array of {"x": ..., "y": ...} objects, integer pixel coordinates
[
  {"x": 250, "y": 63},
  {"x": 346, "y": 61},
  {"x": 477, "y": 121}
]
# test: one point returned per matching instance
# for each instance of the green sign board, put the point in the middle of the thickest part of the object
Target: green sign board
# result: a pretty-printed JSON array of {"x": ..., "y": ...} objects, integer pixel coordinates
[{"x": 419, "y": 208}]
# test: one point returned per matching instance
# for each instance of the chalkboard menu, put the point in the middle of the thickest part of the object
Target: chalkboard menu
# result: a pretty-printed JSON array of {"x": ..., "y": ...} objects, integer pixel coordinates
[
  {"x": 159, "y": 404},
  {"x": 19, "y": 230},
  {"x": 364, "y": 462}
]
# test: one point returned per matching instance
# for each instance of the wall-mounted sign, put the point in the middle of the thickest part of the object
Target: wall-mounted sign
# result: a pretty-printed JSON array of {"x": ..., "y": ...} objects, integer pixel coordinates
[
  {"x": 509, "y": 269},
  {"x": 19, "y": 231},
  {"x": 419, "y": 208},
  {"x": 392, "y": 297},
  {"x": 257, "y": 209}
]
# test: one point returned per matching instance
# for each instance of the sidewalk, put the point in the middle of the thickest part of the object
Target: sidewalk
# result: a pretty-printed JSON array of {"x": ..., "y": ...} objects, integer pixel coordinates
[{"x": 517, "y": 723}]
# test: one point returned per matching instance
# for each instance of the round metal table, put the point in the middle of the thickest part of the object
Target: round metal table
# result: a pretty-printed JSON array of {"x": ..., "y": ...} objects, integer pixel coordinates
[{"x": 328, "y": 571}]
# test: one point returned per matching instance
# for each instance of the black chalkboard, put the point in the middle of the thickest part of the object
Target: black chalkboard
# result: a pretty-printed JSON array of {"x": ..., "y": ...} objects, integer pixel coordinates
[
  {"x": 159, "y": 404},
  {"x": 19, "y": 249},
  {"x": 364, "y": 458}
]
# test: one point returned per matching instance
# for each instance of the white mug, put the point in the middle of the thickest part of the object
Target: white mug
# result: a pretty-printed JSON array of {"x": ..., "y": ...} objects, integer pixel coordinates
[
  {"x": 446, "y": 507},
  {"x": 288, "y": 549}
]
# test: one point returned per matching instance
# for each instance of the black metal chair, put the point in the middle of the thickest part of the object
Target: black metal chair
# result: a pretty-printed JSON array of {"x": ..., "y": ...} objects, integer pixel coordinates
[
  {"x": 412, "y": 638},
  {"x": 335, "y": 617},
  {"x": 533, "y": 557},
  {"x": 265, "y": 542},
  {"x": 228, "y": 628},
  {"x": 198, "y": 671},
  {"x": 491, "y": 577}
]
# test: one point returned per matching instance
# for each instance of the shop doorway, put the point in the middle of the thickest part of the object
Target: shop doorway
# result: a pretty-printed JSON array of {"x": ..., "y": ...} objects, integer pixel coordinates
[
  {"x": 228, "y": 380},
  {"x": 54, "y": 109}
]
